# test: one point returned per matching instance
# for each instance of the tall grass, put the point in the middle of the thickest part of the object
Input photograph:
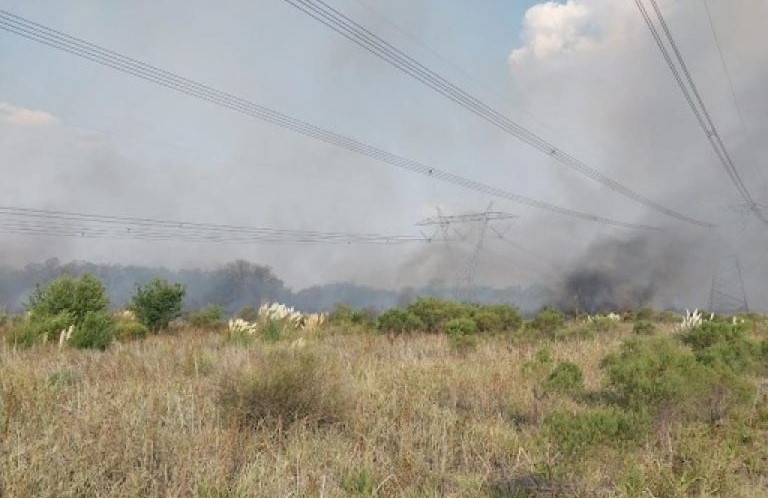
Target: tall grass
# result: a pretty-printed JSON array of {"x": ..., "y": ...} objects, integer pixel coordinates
[{"x": 362, "y": 414}]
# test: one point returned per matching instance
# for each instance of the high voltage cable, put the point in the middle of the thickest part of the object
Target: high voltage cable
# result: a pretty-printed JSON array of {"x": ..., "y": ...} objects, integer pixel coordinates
[
  {"x": 737, "y": 105},
  {"x": 87, "y": 225},
  {"x": 76, "y": 46},
  {"x": 348, "y": 28},
  {"x": 682, "y": 75}
]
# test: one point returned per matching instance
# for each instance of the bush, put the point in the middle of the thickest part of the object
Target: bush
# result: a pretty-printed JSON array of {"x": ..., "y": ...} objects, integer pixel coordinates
[
  {"x": 208, "y": 317},
  {"x": 643, "y": 327},
  {"x": 288, "y": 386},
  {"x": 157, "y": 303},
  {"x": 38, "y": 329},
  {"x": 710, "y": 333},
  {"x": 94, "y": 332},
  {"x": 72, "y": 295},
  {"x": 498, "y": 318},
  {"x": 399, "y": 321},
  {"x": 129, "y": 330},
  {"x": 548, "y": 321},
  {"x": 723, "y": 345},
  {"x": 461, "y": 334},
  {"x": 577, "y": 434},
  {"x": 659, "y": 376},
  {"x": 435, "y": 313},
  {"x": 272, "y": 331},
  {"x": 461, "y": 326},
  {"x": 565, "y": 378}
]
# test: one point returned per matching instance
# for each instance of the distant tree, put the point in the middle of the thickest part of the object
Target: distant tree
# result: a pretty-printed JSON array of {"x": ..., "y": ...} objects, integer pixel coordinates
[{"x": 157, "y": 303}]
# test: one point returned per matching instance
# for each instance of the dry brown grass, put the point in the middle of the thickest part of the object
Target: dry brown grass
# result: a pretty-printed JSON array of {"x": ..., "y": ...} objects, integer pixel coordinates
[{"x": 145, "y": 419}]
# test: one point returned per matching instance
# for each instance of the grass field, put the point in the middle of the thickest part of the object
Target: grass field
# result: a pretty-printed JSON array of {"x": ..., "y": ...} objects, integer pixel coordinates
[{"x": 347, "y": 412}]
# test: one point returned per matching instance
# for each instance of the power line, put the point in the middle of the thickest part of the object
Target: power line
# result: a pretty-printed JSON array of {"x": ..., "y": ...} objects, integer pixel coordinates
[
  {"x": 353, "y": 31},
  {"x": 63, "y": 223},
  {"x": 691, "y": 93},
  {"x": 95, "y": 53},
  {"x": 737, "y": 105}
]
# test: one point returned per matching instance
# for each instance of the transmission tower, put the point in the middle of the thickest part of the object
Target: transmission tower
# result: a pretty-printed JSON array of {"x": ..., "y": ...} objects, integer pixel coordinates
[
  {"x": 727, "y": 294},
  {"x": 466, "y": 289}
]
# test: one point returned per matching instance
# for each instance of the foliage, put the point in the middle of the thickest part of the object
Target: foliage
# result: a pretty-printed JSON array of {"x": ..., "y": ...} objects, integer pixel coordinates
[
  {"x": 461, "y": 326},
  {"x": 565, "y": 378},
  {"x": 461, "y": 333},
  {"x": 659, "y": 376},
  {"x": 345, "y": 316},
  {"x": 497, "y": 318},
  {"x": 272, "y": 331},
  {"x": 723, "y": 345},
  {"x": 399, "y": 321},
  {"x": 435, "y": 313},
  {"x": 34, "y": 329},
  {"x": 157, "y": 303},
  {"x": 643, "y": 327},
  {"x": 548, "y": 321},
  {"x": 76, "y": 296},
  {"x": 126, "y": 330},
  {"x": 94, "y": 332},
  {"x": 288, "y": 386},
  {"x": 577, "y": 434},
  {"x": 208, "y": 317}
]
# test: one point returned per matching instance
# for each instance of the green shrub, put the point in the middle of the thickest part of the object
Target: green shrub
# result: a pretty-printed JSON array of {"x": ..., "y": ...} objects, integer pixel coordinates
[
  {"x": 461, "y": 334},
  {"x": 435, "y": 313},
  {"x": 565, "y": 378},
  {"x": 643, "y": 327},
  {"x": 157, "y": 303},
  {"x": 94, "y": 332},
  {"x": 723, "y": 345},
  {"x": 399, "y": 321},
  {"x": 288, "y": 386},
  {"x": 461, "y": 326},
  {"x": 498, "y": 318},
  {"x": 129, "y": 330},
  {"x": 487, "y": 321},
  {"x": 548, "y": 321},
  {"x": 35, "y": 329},
  {"x": 208, "y": 317},
  {"x": 72, "y": 295},
  {"x": 710, "y": 333},
  {"x": 661, "y": 377},
  {"x": 272, "y": 331},
  {"x": 581, "y": 433}
]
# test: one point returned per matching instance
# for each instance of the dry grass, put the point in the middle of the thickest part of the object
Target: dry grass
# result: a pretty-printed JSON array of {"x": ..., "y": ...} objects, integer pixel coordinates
[{"x": 146, "y": 419}]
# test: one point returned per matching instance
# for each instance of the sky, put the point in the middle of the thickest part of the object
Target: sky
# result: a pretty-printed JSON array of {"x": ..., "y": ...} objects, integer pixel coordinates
[{"x": 585, "y": 74}]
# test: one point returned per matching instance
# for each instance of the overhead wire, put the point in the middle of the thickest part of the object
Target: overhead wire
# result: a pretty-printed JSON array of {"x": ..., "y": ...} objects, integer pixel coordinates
[
  {"x": 28, "y": 220},
  {"x": 736, "y": 103},
  {"x": 361, "y": 36},
  {"x": 95, "y": 53},
  {"x": 692, "y": 95}
]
